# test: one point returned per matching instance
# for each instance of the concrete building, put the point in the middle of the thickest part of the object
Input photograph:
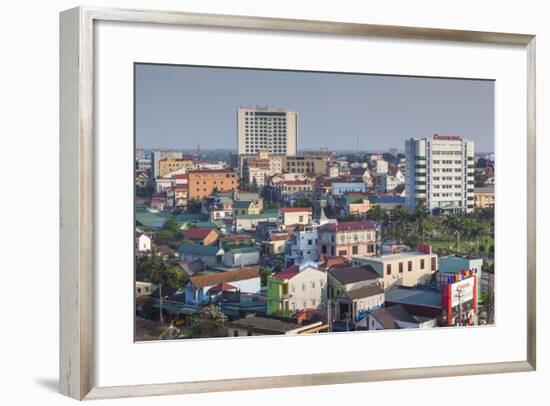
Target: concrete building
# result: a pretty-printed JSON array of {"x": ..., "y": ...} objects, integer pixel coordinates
[
  {"x": 171, "y": 164},
  {"x": 484, "y": 197},
  {"x": 310, "y": 165},
  {"x": 296, "y": 288},
  {"x": 354, "y": 292},
  {"x": 347, "y": 239},
  {"x": 402, "y": 269},
  {"x": 157, "y": 155},
  {"x": 357, "y": 204},
  {"x": 341, "y": 188},
  {"x": 271, "y": 129},
  {"x": 241, "y": 257},
  {"x": 294, "y": 215},
  {"x": 381, "y": 167},
  {"x": 203, "y": 183},
  {"x": 302, "y": 246},
  {"x": 199, "y": 289},
  {"x": 440, "y": 172}
]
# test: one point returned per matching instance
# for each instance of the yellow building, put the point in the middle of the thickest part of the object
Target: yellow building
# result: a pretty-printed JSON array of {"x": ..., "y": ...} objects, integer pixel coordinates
[
  {"x": 359, "y": 206},
  {"x": 171, "y": 164},
  {"x": 484, "y": 197}
]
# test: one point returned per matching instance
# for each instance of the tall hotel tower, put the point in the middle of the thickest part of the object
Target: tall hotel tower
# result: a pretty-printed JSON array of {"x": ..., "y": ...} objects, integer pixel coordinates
[
  {"x": 440, "y": 171},
  {"x": 274, "y": 130}
]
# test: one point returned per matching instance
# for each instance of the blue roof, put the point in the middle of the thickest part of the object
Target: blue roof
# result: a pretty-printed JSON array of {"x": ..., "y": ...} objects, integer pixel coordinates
[{"x": 389, "y": 199}]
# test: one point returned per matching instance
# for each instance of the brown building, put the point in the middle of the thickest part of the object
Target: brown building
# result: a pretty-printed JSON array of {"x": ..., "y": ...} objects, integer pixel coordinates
[
  {"x": 203, "y": 183},
  {"x": 311, "y": 165}
]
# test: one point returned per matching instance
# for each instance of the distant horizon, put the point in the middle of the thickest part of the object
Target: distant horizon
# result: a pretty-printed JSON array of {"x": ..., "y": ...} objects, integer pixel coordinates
[
  {"x": 190, "y": 150},
  {"x": 181, "y": 107}
]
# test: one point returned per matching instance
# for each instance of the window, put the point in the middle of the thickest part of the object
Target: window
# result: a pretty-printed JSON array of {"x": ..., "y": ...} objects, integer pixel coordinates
[
  {"x": 421, "y": 264},
  {"x": 433, "y": 263},
  {"x": 342, "y": 253},
  {"x": 401, "y": 267},
  {"x": 301, "y": 219},
  {"x": 355, "y": 250},
  {"x": 309, "y": 242},
  {"x": 370, "y": 248},
  {"x": 409, "y": 266},
  {"x": 303, "y": 286},
  {"x": 388, "y": 269},
  {"x": 324, "y": 249}
]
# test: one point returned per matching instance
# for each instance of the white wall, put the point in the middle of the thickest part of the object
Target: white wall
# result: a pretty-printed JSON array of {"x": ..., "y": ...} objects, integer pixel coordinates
[{"x": 29, "y": 83}]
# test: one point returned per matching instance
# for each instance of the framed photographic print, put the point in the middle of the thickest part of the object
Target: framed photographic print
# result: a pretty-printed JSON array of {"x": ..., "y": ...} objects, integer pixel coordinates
[{"x": 331, "y": 202}]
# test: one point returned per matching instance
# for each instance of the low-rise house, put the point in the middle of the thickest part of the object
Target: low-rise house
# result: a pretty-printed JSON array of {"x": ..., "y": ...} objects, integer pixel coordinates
[
  {"x": 403, "y": 269},
  {"x": 143, "y": 242},
  {"x": 276, "y": 243},
  {"x": 357, "y": 204},
  {"x": 387, "y": 183},
  {"x": 249, "y": 222},
  {"x": 202, "y": 236},
  {"x": 344, "y": 278},
  {"x": 484, "y": 197},
  {"x": 143, "y": 288},
  {"x": 397, "y": 317},
  {"x": 244, "y": 207},
  {"x": 180, "y": 196},
  {"x": 355, "y": 304},
  {"x": 157, "y": 204},
  {"x": 363, "y": 174},
  {"x": 422, "y": 302},
  {"x": 288, "y": 188},
  {"x": 201, "y": 289},
  {"x": 209, "y": 255},
  {"x": 294, "y": 215},
  {"x": 348, "y": 239},
  {"x": 253, "y": 325},
  {"x": 295, "y": 289},
  {"x": 142, "y": 179},
  {"x": 241, "y": 257}
]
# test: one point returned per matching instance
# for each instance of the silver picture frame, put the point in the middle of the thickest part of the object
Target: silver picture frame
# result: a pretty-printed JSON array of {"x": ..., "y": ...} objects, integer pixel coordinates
[{"x": 77, "y": 200}]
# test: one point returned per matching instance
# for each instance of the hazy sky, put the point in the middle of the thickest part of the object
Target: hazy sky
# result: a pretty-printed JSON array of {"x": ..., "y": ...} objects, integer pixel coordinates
[{"x": 183, "y": 106}]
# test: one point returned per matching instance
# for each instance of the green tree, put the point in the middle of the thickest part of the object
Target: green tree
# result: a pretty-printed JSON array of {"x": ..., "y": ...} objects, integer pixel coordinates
[
  {"x": 376, "y": 213},
  {"x": 173, "y": 225},
  {"x": 156, "y": 269},
  {"x": 264, "y": 273},
  {"x": 207, "y": 322},
  {"x": 167, "y": 237},
  {"x": 304, "y": 202}
]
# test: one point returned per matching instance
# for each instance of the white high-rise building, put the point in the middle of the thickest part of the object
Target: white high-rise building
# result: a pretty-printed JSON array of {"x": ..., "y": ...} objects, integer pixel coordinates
[
  {"x": 440, "y": 171},
  {"x": 271, "y": 129}
]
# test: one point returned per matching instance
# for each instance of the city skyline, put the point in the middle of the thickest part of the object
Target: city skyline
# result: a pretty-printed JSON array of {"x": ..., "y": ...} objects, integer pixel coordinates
[{"x": 394, "y": 108}]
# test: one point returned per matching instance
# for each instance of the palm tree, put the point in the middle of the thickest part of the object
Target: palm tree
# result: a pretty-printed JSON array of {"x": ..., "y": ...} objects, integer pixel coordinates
[{"x": 156, "y": 269}]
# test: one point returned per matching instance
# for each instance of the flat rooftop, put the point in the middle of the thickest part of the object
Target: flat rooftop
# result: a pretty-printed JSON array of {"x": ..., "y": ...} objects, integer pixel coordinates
[{"x": 413, "y": 296}]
